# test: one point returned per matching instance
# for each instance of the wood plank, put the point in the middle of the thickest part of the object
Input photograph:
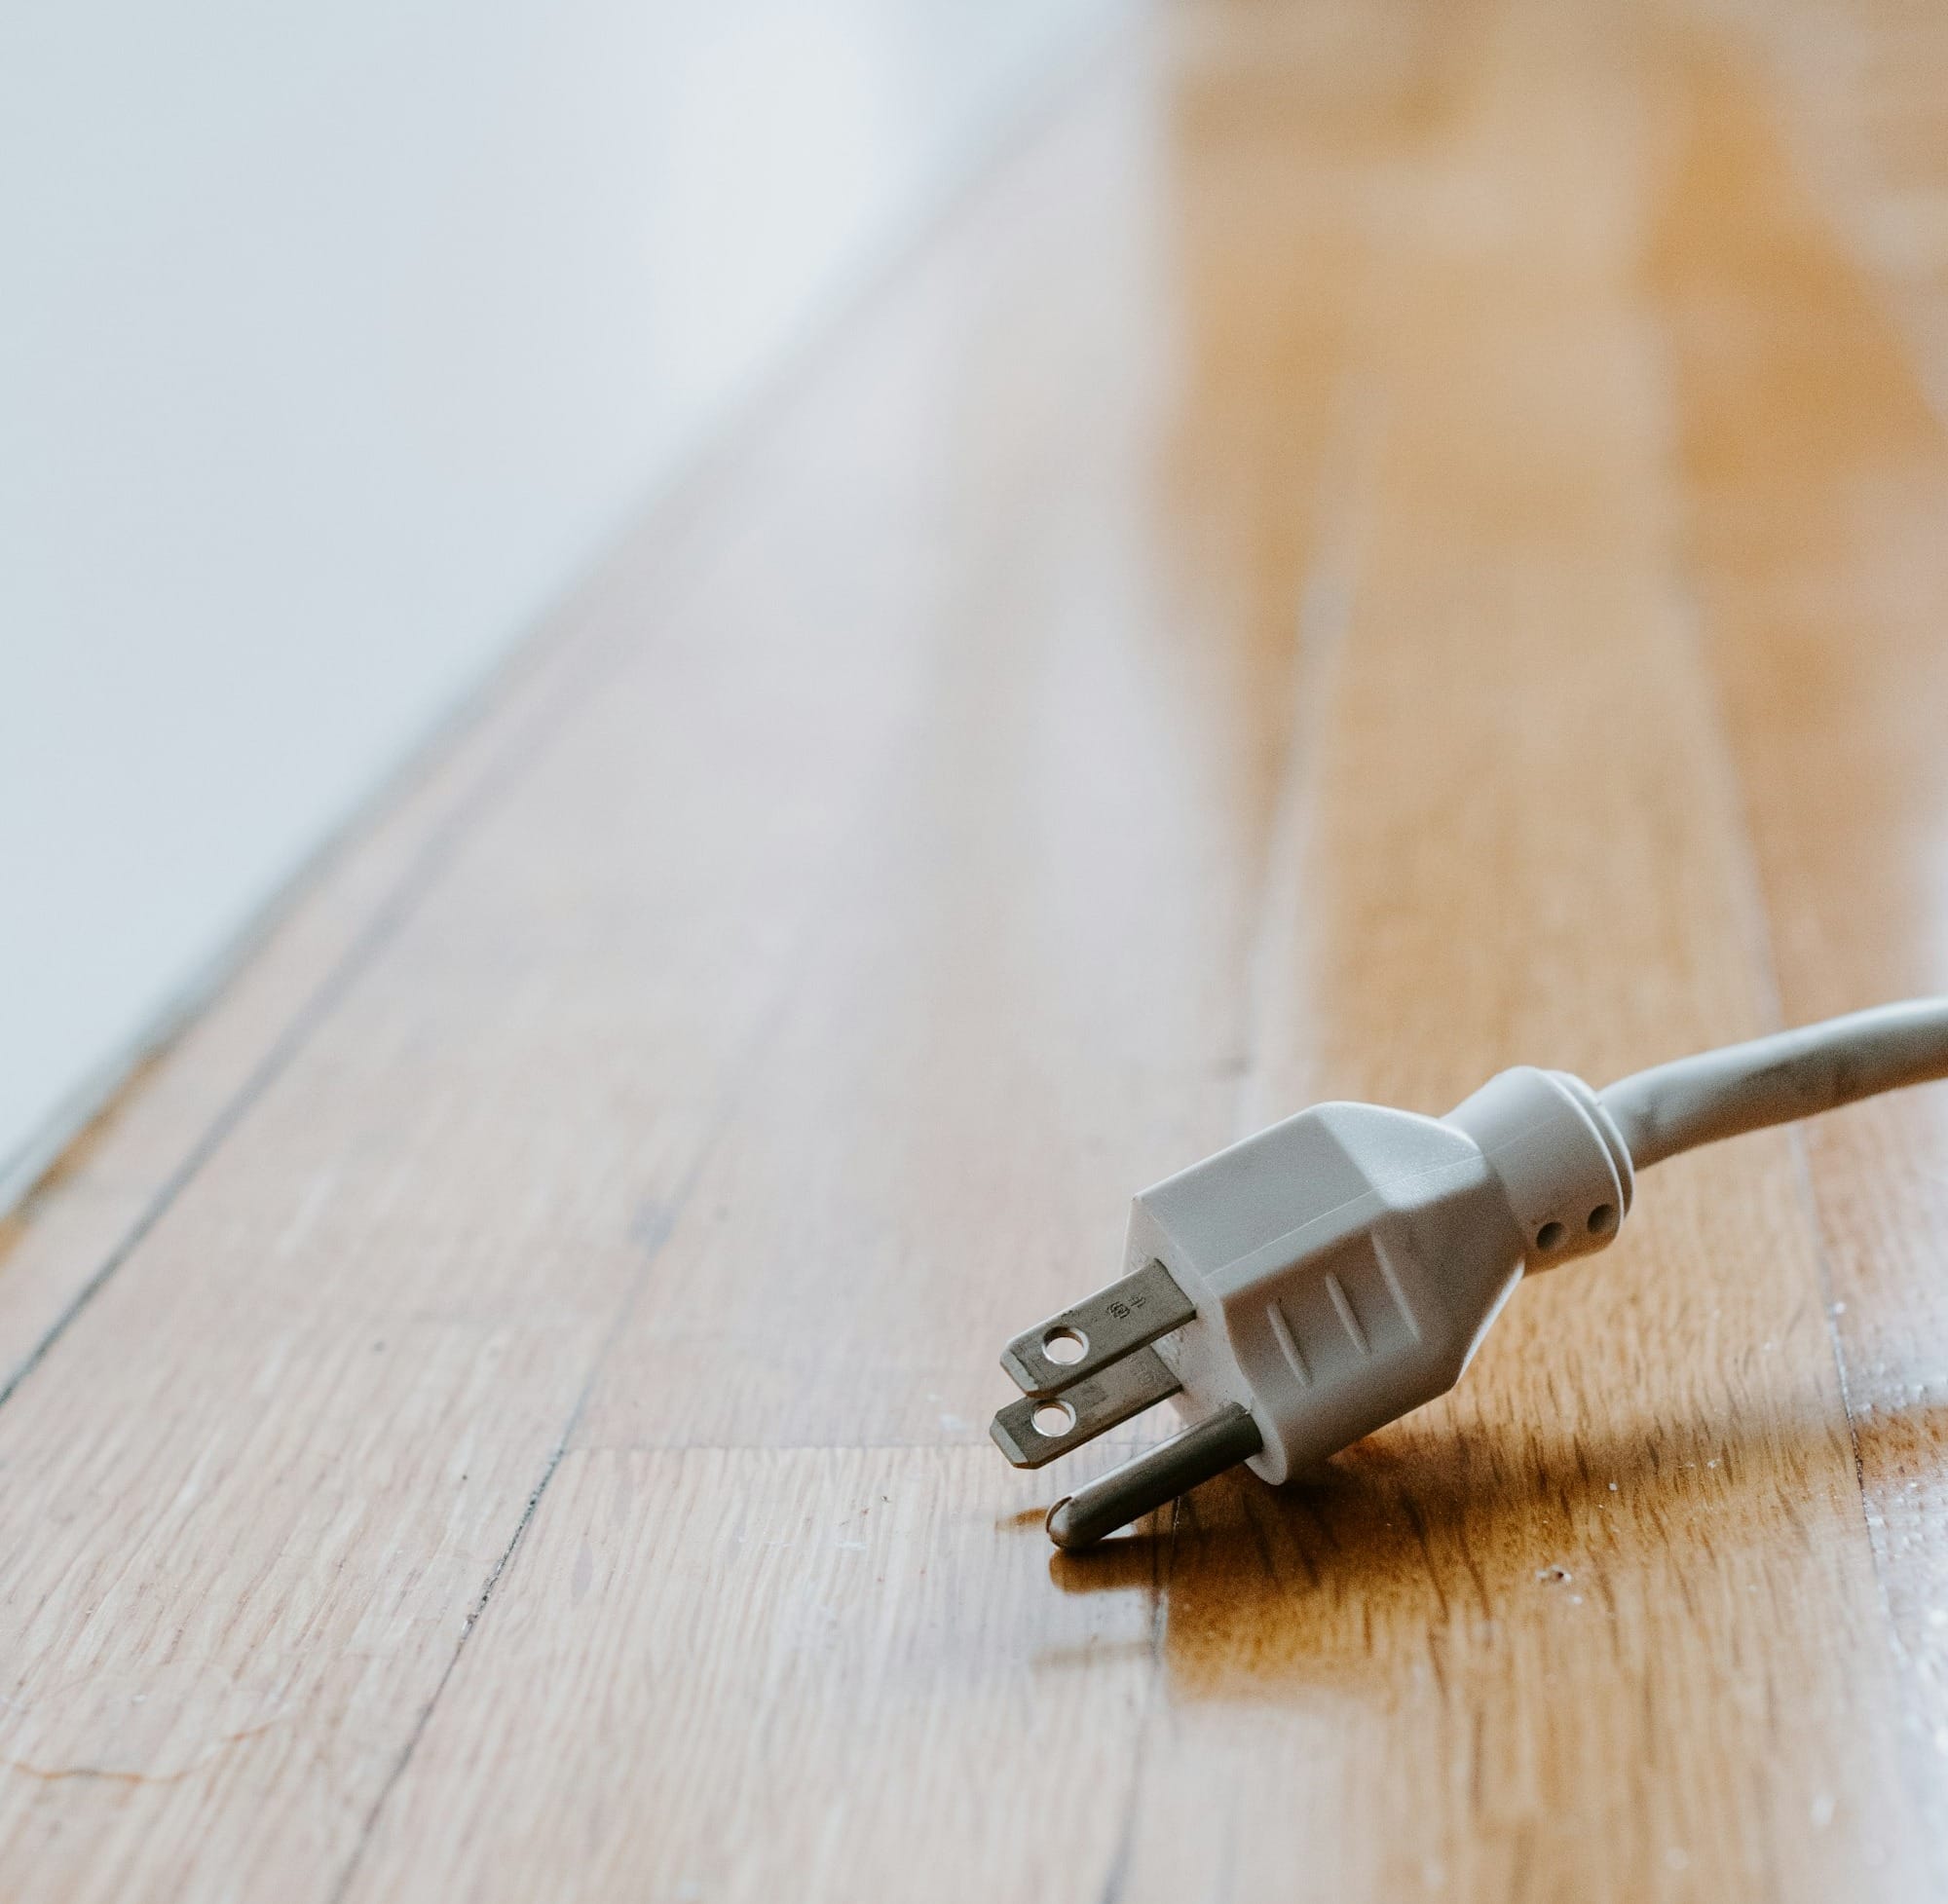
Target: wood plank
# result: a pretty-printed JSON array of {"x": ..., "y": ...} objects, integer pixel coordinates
[
  {"x": 266, "y": 1476},
  {"x": 1001, "y": 1017},
  {"x": 1817, "y": 479},
  {"x": 917, "y": 1708},
  {"x": 1604, "y": 1625},
  {"x": 1858, "y": 83},
  {"x": 1028, "y": 981},
  {"x": 1629, "y": 1645}
]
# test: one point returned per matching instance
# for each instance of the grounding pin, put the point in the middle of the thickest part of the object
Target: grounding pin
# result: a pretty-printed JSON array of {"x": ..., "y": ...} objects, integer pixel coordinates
[
  {"x": 1038, "y": 1428},
  {"x": 1057, "y": 1353},
  {"x": 1158, "y": 1475}
]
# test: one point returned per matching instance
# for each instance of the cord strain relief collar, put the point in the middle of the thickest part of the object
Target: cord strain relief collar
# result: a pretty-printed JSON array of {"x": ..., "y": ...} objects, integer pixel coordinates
[{"x": 1558, "y": 1157}]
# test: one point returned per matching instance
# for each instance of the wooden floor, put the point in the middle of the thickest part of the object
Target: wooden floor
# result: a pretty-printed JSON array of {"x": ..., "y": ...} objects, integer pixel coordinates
[{"x": 1384, "y": 539}]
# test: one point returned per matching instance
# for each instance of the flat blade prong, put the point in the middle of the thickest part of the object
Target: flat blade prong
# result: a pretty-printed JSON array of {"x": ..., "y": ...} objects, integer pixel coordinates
[
  {"x": 1156, "y": 1476},
  {"x": 1102, "y": 1329},
  {"x": 1084, "y": 1409}
]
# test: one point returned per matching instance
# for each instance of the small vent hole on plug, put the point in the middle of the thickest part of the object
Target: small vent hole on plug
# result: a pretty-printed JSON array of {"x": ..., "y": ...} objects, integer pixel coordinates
[
  {"x": 1064, "y": 1346},
  {"x": 1603, "y": 1220},
  {"x": 1053, "y": 1419},
  {"x": 1549, "y": 1236}
]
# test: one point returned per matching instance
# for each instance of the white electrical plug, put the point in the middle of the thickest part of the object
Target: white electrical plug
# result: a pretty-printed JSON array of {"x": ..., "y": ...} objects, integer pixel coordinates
[{"x": 1315, "y": 1281}]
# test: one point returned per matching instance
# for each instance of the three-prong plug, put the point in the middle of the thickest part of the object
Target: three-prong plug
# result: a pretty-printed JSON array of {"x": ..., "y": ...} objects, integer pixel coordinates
[{"x": 1308, "y": 1286}]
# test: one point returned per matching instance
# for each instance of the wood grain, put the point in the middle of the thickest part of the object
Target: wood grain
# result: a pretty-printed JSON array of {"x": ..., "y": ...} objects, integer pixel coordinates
[
  {"x": 1381, "y": 543},
  {"x": 1816, "y": 490}
]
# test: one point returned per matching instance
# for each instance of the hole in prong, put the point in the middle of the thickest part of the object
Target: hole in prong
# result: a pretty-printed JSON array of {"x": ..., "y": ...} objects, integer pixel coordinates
[
  {"x": 1065, "y": 1346},
  {"x": 1549, "y": 1236},
  {"x": 1603, "y": 1220},
  {"x": 1053, "y": 1419}
]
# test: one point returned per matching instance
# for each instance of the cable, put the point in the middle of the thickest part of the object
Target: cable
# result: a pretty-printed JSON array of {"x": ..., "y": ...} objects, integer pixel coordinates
[
  {"x": 1778, "y": 1080},
  {"x": 1315, "y": 1281}
]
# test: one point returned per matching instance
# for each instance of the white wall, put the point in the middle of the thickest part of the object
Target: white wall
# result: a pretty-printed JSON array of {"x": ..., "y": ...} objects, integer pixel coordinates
[{"x": 333, "y": 340}]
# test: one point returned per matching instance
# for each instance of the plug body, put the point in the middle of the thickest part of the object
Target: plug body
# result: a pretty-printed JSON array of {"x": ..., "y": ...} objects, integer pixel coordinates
[
  {"x": 1346, "y": 1263},
  {"x": 1312, "y": 1283}
]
